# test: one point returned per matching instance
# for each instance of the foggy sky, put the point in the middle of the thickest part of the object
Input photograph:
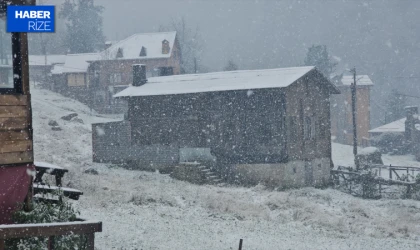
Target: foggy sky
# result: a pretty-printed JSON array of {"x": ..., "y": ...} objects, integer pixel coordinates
[{"x": 379, "y": 37}]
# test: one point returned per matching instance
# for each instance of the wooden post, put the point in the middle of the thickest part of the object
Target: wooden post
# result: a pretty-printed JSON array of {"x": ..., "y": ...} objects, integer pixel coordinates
[
  {"x": 51, "y": 243},
  {"x": 2, "y": 244},
  {"x": 91, "y": 241},
  {"x": 240, "y": 244},
  {"x": 354, "y": 111},
  {"x": 390, "y": 173}
]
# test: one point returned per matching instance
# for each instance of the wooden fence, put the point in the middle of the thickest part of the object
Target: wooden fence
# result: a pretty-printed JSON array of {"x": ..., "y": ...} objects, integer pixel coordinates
[
  {"x": 88, "y": 228},
  {"x": 381, "y": 175}
]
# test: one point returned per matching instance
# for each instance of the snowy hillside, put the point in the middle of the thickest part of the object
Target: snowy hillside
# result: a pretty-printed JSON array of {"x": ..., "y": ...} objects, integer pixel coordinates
[{"x": 143, "y": 210}]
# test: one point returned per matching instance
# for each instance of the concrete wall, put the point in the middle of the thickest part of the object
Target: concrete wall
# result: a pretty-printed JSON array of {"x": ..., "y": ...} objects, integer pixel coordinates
[
  {"x": 286, "y": 175},
  {"x": 111, "y": 142}
]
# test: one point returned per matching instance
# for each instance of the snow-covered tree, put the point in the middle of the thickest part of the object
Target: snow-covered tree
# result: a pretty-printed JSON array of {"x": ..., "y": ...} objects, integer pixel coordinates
[
  {"x": 84, "y": 26},
  {"x": 318, "y": 56},
  {"x": 230, "y": 66}
]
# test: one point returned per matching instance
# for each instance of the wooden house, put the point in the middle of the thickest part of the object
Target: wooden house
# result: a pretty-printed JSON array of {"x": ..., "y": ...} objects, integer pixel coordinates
[
  {"x": 40, "y": 67},
  {"x": 269, "y": 125},
  {"x": 16, "y": 154},
  {"x": 71, "y": 78}
]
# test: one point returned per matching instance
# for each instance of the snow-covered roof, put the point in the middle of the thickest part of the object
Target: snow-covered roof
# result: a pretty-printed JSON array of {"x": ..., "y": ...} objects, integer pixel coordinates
[
  {"x": 132, "y": 45},
  {"x": 361, "y": 80},
  {"x": 395, "y": 126},
  {"x": 110, "y": 42},
  {"x": 78, "y": 63},
  {"x": 57, "y": 69},
  {"x": 218, "y": 81},
  {"x": 39, "y": 60}
]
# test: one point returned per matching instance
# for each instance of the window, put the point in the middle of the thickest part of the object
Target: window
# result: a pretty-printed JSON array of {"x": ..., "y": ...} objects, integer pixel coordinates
[
  {"x": 9, "y": 84},
  {"x": 292, "y": 126},
  {"x": 309, "y": 127},
  {"x": 115, "y": 78},
  {"x": 166, "y": 71}
]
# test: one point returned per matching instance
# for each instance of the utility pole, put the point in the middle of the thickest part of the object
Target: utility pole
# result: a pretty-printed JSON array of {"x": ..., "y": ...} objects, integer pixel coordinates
[{"x": 354, "y": 115}]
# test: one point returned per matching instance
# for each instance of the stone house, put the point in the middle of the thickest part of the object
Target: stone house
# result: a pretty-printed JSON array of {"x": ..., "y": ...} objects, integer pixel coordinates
[
  {"x": 270, "y": 126},
  {"x": 341, "y": 111}
]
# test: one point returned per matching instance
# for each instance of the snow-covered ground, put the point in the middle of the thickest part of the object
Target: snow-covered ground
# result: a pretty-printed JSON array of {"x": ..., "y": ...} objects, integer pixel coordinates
[{"x": 145, "y": 210}]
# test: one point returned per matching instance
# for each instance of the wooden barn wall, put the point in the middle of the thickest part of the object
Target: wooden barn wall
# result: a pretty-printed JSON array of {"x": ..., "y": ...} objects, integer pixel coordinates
[
  {"x": 308, "y": 98},
  {"x": 233, "y": 122},
  {"x": 15, "y": 139}
]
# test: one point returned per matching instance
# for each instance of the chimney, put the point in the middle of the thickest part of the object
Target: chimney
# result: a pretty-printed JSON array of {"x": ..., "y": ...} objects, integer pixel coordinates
[
  {"x": 108, "y": 44},
  {"x": 165, "y": 47},
  {"x": 139, "y": 74},
  {"x": 410, "y": 111}
]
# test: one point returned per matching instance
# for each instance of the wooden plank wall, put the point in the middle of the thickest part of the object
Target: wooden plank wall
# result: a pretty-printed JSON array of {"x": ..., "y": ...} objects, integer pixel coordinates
[{"x": 15, "y": 137}]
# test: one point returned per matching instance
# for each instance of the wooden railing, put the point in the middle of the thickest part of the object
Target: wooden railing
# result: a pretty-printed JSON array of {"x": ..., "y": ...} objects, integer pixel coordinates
[{"x": 88, "y": 228}]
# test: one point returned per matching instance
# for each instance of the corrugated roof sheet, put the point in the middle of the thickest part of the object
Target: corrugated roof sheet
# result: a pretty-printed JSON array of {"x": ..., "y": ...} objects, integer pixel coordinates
[
  {"x": 218, "y": 81},
  {"x": 78, "y": 63},
  {"x": 39, "y": 60},
  {"x": 361, "y": 80},
  {"x": 395, "y": 126}
]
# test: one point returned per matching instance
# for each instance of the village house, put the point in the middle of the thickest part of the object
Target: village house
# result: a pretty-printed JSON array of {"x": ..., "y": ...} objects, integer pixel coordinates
[
  {"x": 270, "y": 126},
  {"x": 403, "y": 135},
  {"x": 40, "y": 66},
  {"x": 111, "y": 72},
  {"x": 71, "y": 78},
  {"x": 341, "y": 110}
]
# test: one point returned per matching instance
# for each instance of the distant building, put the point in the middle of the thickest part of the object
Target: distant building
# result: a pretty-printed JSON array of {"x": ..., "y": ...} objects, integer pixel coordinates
[
  {"x": 111, "y": 72},
  {"x": 270, "y": 126},
  {"x": 40, "y": 66},
  {"x": 397, "y": 126},
  {"x": 341, "y": 110},
  {"x": 71, "y": 78}
]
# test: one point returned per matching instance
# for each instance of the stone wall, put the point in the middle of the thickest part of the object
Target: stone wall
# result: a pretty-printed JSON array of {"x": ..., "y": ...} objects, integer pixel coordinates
[{"x": 285, "y": 175}]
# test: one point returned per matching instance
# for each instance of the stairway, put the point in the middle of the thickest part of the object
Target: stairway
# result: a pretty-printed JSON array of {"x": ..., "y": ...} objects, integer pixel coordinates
[{"x": 196, "y": 173}]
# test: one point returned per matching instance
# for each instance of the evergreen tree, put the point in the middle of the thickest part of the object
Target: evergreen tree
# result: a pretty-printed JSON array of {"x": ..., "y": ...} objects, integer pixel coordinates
[
  {"x": 84, "y": 26},
  {"x": 395, "y": 106},
  {"x": 318, "y": 56},
  {"x": 230, "y": 66}
]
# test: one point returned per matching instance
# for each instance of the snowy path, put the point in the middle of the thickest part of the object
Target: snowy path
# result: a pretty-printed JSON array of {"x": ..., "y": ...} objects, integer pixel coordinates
[{"x": 142, "y": 210}]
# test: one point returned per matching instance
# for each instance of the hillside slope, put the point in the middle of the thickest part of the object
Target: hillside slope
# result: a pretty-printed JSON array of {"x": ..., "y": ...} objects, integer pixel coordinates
[{"x": 143, "y": 210}]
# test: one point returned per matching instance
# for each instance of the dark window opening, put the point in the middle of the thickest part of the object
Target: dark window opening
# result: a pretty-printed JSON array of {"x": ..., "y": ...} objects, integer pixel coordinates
[{"x": 166, "y": 71}]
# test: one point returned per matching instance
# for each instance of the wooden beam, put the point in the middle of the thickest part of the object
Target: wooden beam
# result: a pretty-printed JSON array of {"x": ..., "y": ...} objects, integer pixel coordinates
[
  {"x": 49, "y": 229},
  {"x": 15, "y": 146},
  {"x": 13, "y": 111},
  {"x": 13, "y": 123},
  {"x": 16, "y": 157},
  {"x": 14, "y": 135},
  {"x": 13, "y": 100}
]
